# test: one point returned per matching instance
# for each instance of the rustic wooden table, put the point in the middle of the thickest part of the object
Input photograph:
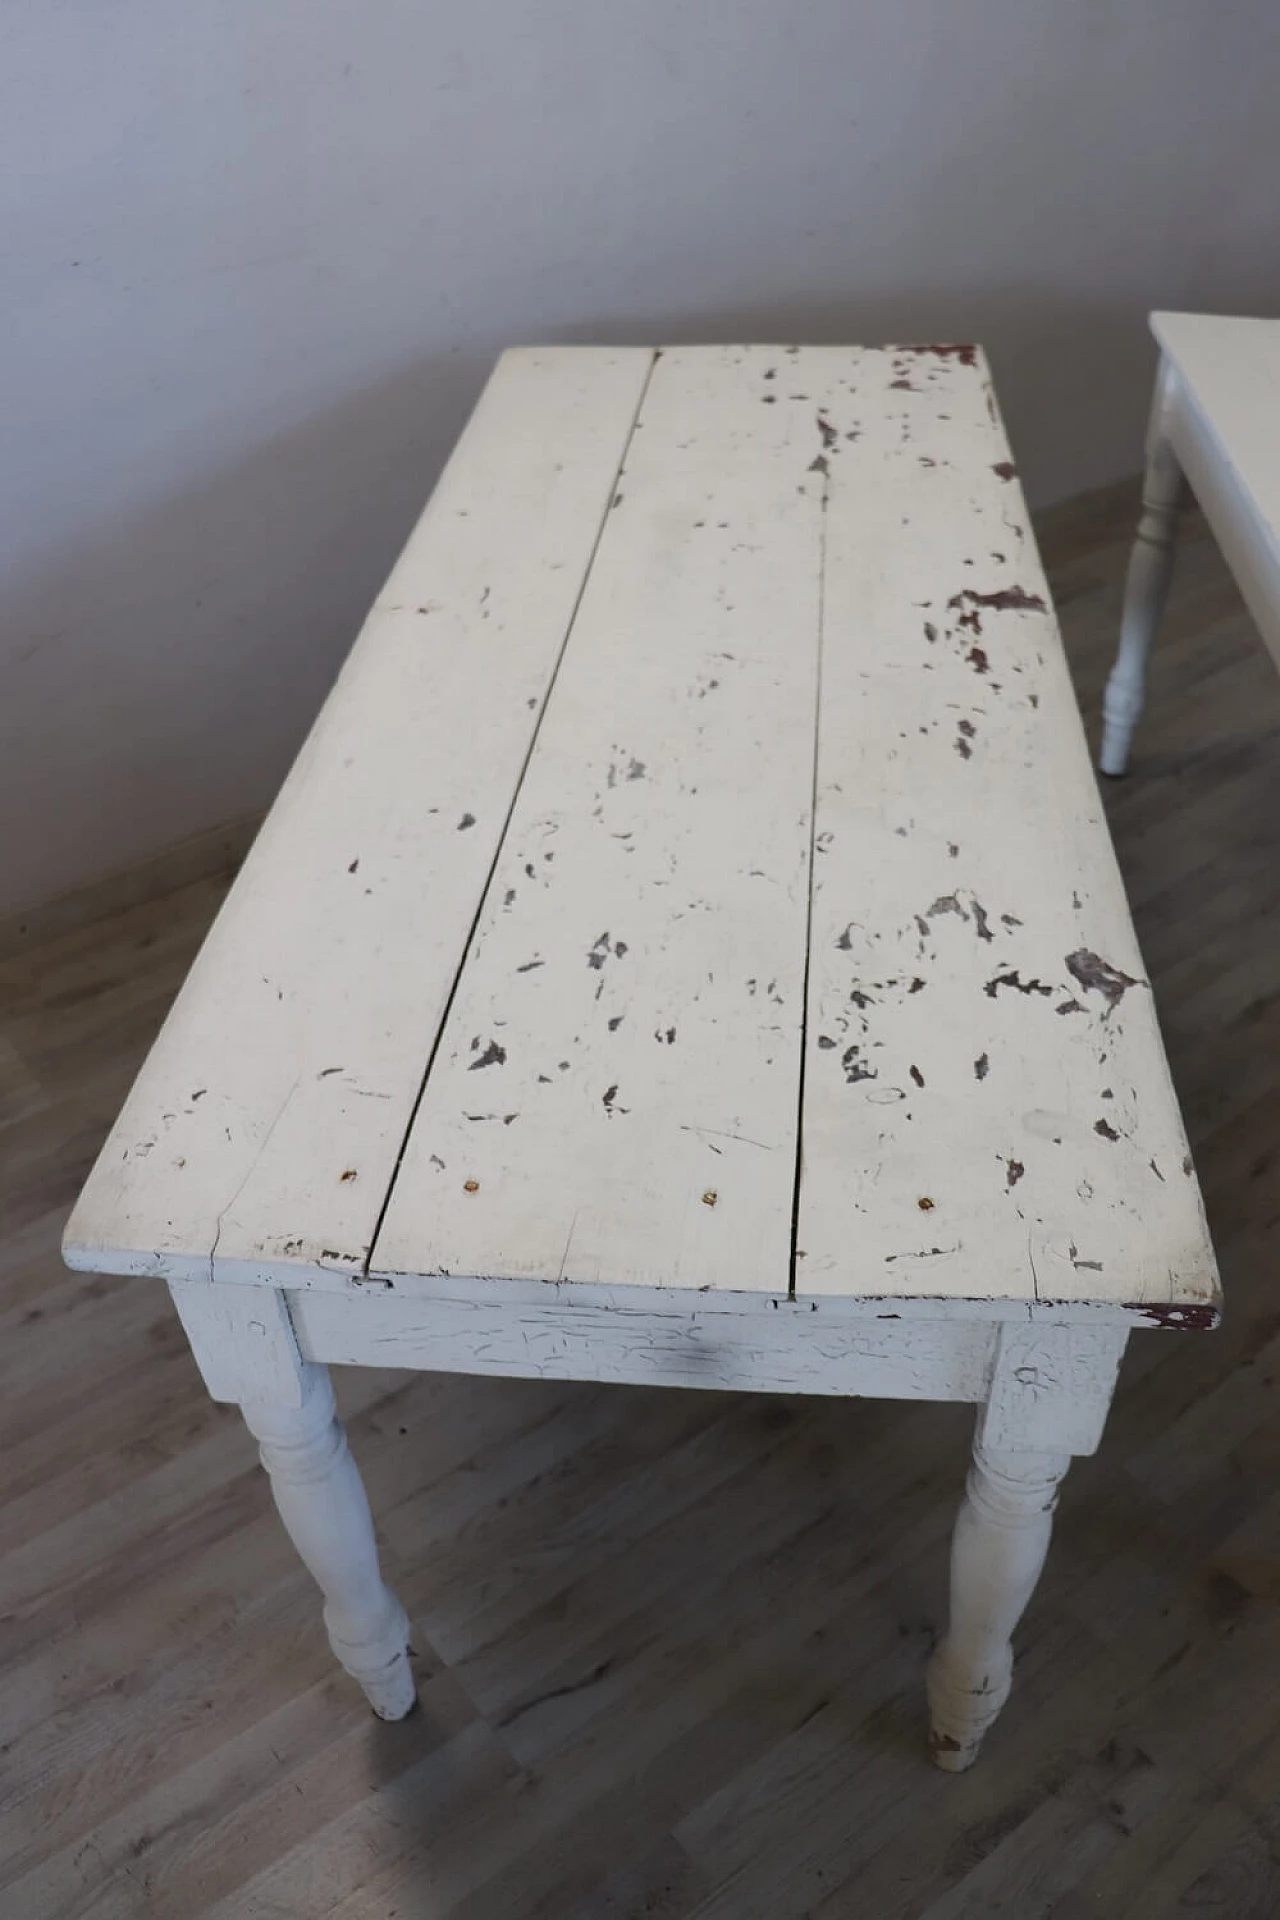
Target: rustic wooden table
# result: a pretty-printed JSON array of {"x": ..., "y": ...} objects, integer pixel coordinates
[
  {"x": 1215, "y": 424},
  {"x": 688, "y": 949}
]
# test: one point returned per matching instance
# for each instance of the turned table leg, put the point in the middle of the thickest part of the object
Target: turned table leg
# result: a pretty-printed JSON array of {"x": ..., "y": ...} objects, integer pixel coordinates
[
  {"x": 1050, "y": 1391},
  {"x": 321, "y": 1500},
  {"x": 1146, "y": 585},
  {"x": 999, "y": 1548},
  {"x": 243, "y": 1341}
]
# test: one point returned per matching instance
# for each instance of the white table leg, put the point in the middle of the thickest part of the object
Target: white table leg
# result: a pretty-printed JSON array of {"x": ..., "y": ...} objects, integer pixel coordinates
[
  {"x": 321, "y": 1498},
  {"x": 999, "y": 1548},
  {"x": 1146, "y": 584},
  {"x": 244, "y": 1344},
  {"x": 1050, "y": 1393}
]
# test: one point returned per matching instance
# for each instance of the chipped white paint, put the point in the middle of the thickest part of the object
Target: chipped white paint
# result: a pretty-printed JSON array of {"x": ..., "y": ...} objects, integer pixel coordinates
[
  {"x": 263, "y": 1130},
  {"x": 672, "y": 1343},
  {"x": 1216, "y": 419},
  {"x": 987, "y": 1105},
  {"x": 1054, "y": 1381},
  {"x": 499, "y": 1057},
  {"x": 615, "y": 1096},
  {"x": 243, "y": 1341}
]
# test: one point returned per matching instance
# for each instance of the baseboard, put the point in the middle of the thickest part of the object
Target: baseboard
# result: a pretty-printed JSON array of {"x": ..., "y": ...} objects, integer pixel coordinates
[{"x": 218, "y": 851}]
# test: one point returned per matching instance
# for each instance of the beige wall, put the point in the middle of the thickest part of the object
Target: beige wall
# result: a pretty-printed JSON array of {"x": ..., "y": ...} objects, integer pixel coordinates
[{"x": 257, "y": 255}]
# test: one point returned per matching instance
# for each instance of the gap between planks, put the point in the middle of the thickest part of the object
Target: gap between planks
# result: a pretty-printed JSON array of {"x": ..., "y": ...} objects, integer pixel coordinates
[{"x": 813, "y": 854}]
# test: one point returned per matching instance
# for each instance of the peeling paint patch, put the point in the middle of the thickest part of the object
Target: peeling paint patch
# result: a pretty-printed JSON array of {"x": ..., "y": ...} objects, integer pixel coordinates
[
  {"x": 947, "y": 903},
  {"x": 1197, "y": 1317},
  {"x": 981, "y": 1067},
  {"x": 1105, "y": 1128},
  {"x": 1099, "y": 976},
  {"x": 1003, "y": 600},
  {"x": 602, "y": 948},
  {"x": 1014, "y": 980},
  {"x": 964, "y": 351},
  {"x": 494, "y": 1055},
  {"x": 855, "y": 1067}
]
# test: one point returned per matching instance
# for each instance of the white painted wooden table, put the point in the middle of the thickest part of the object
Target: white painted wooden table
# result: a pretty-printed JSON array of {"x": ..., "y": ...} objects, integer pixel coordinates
[
  {"x": 687, "y": 950},
  {"x": 1215, "y": 423}
]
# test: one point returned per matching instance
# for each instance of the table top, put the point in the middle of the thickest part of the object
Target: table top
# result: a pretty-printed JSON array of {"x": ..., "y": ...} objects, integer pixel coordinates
[
  {"x": 1231, "y": 366},
  {"x": 695, "y": 880},
  {"x": 1222, "y": 412}
]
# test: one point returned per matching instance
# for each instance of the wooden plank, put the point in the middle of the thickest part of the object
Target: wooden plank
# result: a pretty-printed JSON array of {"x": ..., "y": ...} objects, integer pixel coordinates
[
  {"x": 674, "y": 1344},
  {"x": 988, "y": 1109},
  {"x": 263, "y": 1129},
  {"x": 616, "y": 1093}
]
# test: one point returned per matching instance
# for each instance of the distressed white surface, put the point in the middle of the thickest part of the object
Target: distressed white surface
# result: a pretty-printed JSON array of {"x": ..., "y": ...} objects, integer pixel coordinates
[
  {"x": 243, "y": 1341},
  {"x": 614, "y": 1100},
  {"x": 1051, "y": 1386},
  {"x": 616, "y": 1094},
  {"x": 987, "y": 1108},
  {"x": 264, "y": 1127},
  {"x": 675, "y": 1343}
]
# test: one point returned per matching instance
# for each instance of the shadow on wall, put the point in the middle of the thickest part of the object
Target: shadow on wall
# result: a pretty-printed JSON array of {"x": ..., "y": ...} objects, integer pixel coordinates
[{"x": 170, "y": 667}]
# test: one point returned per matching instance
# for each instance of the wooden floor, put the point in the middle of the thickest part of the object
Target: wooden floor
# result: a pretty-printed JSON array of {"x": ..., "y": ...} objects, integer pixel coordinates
[{"x": 671, "y": 1645}]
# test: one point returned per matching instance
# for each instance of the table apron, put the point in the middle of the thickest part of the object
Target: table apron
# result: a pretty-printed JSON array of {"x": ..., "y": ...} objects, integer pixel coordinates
[{"x": 784, "y": 1351}]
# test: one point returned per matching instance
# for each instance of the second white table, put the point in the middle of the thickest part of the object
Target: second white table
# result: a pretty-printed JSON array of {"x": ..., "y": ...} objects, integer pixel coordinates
[{"x": 1215, "y": 423}]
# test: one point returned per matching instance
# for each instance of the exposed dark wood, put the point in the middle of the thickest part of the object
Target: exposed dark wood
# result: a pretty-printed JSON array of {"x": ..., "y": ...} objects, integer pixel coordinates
[{"x": 670, "y": 1644}]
